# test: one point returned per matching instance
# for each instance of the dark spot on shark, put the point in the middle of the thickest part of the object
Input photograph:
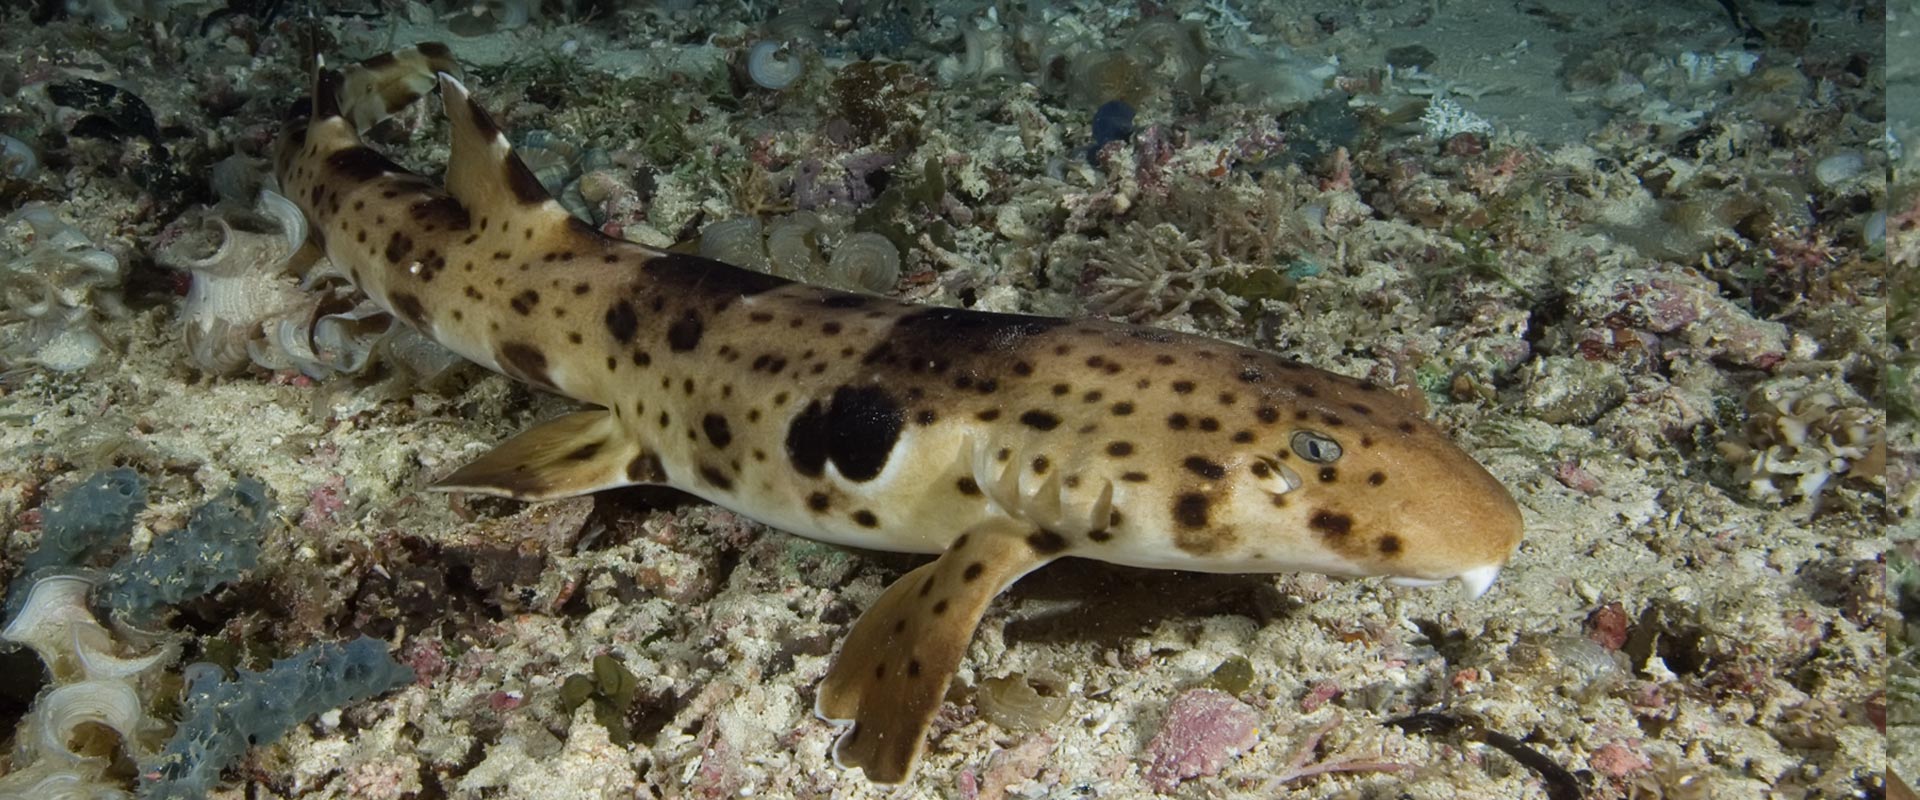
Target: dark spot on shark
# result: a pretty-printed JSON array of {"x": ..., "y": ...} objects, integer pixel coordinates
[
  {"x": 524, "y": 302},
  {"x": 685, "y": 333},
  {"x": 1039, "y": 420},
  {"x": 1331, "y": 524},
  {"x": 1046, "y": 543},
  {"x": 398, "y": 246},
  {"x": 1204, "y": 468},
  {"x": 622, "y": 322},
  {"x": 807, "y": 440},
  {"x": 715, "y": 478},
  {"x": 864, "y": 424},
  {"x": 1190, "y": 510},
  {"x": 361, "y": 164},
  {"x": 947, "y": 330},
  {"x": 410, "y": 309},
  {"x": 440, "y": 211},
  {"x": 525, "y": 362},
  {"x": 717, "y": 430}
]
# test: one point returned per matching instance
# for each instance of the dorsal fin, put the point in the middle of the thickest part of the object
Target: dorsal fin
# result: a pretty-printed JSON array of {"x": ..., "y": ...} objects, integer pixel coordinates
[
  {"x": 483, "y": 172},
  {"x": 325, "y": 103},
  {"x": 378, "y": 87}
]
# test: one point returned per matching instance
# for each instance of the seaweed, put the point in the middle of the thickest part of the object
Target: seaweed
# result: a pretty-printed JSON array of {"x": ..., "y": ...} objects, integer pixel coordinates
[
  {"x": 611, "y": 689},
  {"x": 1560, "y": 784}
]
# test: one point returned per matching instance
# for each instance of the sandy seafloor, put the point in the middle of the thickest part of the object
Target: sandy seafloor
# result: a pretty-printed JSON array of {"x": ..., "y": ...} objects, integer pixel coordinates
[{"x": 1655, "y": 268}]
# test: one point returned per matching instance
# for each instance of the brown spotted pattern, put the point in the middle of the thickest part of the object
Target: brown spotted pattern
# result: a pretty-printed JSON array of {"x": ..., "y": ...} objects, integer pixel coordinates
[
  {"x": 767, "y": 395},
  {"x": 861, "y": 420}
]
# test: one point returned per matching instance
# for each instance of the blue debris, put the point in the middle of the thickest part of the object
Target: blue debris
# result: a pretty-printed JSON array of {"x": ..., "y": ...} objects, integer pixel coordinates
[
  {"x": 221, "y": 718},
  {"x": 220, "y": 543},
  {"x": 82, "y": 522},
  {"x": 1112, "y": 122},
  {"x": 885, "y": 35},
  {"x": 88, "y": 518}
]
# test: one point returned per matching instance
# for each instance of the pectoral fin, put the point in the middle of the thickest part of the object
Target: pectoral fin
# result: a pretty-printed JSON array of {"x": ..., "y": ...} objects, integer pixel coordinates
[
  {"x": 572, "y": 455},
  {"x": 893, "y": 670}
]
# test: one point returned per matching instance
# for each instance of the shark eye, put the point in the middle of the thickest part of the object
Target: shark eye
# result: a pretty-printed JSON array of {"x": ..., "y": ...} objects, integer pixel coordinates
[{"x": 1316, "y": 447}]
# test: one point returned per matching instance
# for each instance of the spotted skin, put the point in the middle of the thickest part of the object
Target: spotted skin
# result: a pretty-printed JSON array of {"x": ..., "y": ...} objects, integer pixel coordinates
[{"x": 1001, "y": 441}]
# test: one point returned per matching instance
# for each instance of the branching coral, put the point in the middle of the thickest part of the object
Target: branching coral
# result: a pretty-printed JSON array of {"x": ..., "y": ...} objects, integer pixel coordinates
[
  {"x": 1156, "y": 272},
  {"x": 55, "y": 287}
]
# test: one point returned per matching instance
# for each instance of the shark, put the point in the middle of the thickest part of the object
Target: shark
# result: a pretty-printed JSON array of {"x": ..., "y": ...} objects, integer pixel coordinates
[{"x": 996, "y": 442}]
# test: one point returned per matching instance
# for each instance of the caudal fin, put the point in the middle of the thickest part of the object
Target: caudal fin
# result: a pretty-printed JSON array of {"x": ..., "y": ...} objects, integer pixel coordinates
[{"x": 379, "y": 87}]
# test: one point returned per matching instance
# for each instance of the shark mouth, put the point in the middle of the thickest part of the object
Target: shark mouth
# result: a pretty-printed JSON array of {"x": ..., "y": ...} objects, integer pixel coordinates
[{"x": 1476, "y": 581}]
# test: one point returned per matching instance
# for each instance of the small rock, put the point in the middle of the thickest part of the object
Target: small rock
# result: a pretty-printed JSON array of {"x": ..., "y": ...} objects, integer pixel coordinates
[
  {"x": 1607, "y": 625},
  {"x": 1204, "y": 730},
  {"x": 1576, "y": 391},
  {"x": 1618, "y": 761}
]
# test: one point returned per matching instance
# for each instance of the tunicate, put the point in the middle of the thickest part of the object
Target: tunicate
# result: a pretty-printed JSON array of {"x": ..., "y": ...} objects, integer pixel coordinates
[
  {"x": 1839, "y": 168},
  {"x": 56, "y": 289},
  {"x": 17, "y": 159},
  {"x": 774, "y": 65},
  {"x": 867, "y": 260},
  {"x": 1112, "y": 122},
  {"x": 67, "y": 724},
  {"x": 793, "y": 247},
  {"x": 239, "y": 282},
  {"x": 737, "y": 241}
]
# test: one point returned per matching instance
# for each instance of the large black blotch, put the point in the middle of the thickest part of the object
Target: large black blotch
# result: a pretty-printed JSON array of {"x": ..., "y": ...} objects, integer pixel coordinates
[
  {"x": 962, "y": 330},
  {"x": 113, "y": 110},
  {"x": 684, "y": 275},
  {"x": 856, "y": 430},
  {"x": 119, "y": 116},
  {"x": 685, "y": 333}
]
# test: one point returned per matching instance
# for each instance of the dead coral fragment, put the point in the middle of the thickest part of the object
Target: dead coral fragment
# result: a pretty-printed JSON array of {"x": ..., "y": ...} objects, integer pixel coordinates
[
  {"x": 1802, "y": 434},
  {"x": 1205, "y": 729},
  {"x": 1014, "y": 703},
  {"x": 55, "y": 285}
]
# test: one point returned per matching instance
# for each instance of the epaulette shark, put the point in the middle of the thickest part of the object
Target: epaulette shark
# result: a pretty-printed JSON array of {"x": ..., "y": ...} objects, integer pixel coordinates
[{"x": 999, "y": 441}]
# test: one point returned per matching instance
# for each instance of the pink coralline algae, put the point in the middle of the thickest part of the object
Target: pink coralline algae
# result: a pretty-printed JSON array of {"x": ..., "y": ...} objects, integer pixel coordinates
[
  {"x": 1205, "y": 729},
  {"x": 1616, "y": 760}
]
